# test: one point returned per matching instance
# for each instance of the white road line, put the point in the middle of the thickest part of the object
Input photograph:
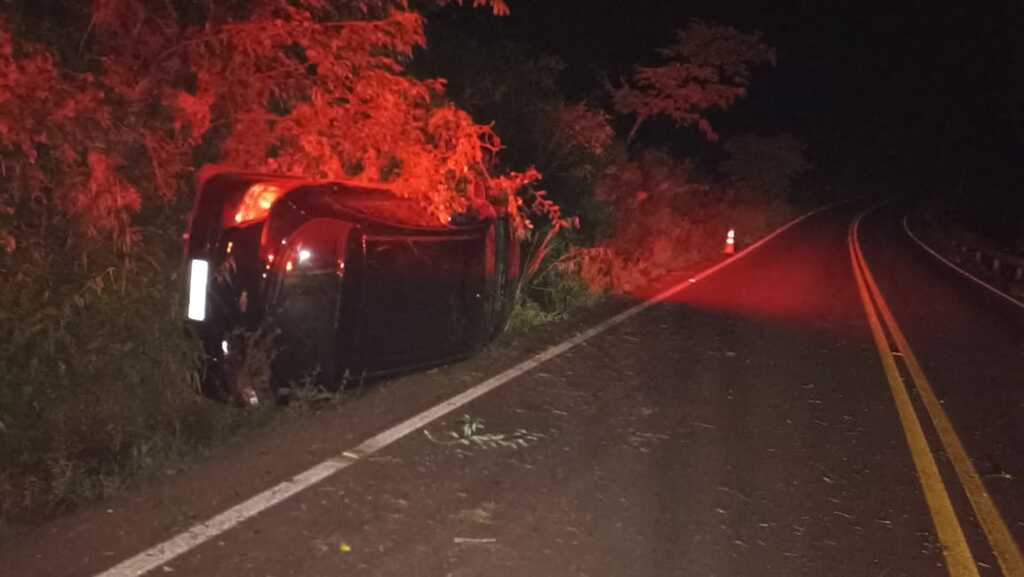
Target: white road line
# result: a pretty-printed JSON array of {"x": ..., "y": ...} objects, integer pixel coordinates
[
  {"x": 156, "y": 556},
  {"x": 162, "y": 553},
  {"x": 998, "y": 292}
]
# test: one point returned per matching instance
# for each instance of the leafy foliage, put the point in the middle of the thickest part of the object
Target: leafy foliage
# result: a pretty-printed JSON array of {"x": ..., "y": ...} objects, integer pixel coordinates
[
  {"x": 96, "y": 379},
  {"x": 51, "y": 128},
  {"x": 765, "y": 165},
  {"x": 677, "y": 217},
  {"x": 708, "y": 67},
  {"x": 311, "y": 87},
  {"x": 516, "y": 90},
  {"x": 470, "y": 434}
]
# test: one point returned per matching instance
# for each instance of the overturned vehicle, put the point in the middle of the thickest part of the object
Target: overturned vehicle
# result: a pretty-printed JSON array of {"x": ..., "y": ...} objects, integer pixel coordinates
[{"x": 325, "y": 282}]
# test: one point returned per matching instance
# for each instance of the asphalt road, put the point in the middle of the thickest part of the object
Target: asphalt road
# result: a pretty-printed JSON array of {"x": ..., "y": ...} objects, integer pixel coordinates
[{"x": 743, "y": 427}]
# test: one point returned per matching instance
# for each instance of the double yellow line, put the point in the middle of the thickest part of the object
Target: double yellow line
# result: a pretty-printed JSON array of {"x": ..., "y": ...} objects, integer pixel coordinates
[{"x": 959, "y": 560}]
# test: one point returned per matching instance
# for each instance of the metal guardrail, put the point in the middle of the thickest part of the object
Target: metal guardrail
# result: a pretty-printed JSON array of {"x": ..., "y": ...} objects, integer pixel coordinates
[{"x": 1001, "y": 263}]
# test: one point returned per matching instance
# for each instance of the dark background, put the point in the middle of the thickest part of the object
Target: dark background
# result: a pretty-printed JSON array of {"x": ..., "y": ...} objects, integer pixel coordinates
[{"x": 912, "y": 97}]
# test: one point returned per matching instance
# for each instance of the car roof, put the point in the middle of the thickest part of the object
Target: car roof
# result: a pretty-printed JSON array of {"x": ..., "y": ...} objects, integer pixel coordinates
[
  {"x": 368, "y": 201},
  {"x": 374, "y": 203}
]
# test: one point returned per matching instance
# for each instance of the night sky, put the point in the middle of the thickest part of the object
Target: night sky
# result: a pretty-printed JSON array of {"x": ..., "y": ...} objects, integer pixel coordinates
[{"x": 915, "y": 91}]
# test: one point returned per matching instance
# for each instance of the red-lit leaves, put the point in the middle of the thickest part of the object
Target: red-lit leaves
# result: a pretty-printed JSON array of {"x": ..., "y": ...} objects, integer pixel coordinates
[
  {"x": 53, "y": 127},
  {"x": 309, "y": 87},
  {"x": 708, "y": 67},
  {"x": 298, "y": 90},
  {"x": 107, "y": 200}
]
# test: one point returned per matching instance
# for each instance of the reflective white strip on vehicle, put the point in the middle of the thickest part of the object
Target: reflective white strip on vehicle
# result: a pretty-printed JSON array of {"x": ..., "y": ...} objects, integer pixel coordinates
[{"x": 199, "y": 270}]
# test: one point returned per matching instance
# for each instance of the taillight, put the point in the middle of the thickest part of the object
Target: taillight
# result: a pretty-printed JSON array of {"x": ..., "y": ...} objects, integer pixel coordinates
[{"x": 257, "y": 202}]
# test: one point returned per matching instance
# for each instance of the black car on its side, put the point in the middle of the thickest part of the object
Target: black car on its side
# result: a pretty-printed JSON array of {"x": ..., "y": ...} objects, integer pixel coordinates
[{"x": 343, "y": 280}]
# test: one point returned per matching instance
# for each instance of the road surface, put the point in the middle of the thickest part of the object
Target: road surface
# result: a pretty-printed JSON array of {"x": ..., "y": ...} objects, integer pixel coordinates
[{"x": 751, "y": 424}]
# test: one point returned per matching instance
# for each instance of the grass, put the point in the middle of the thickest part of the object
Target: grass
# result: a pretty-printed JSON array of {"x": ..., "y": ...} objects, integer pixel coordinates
[
  {"x": 98, "y": 380},
  {"x": 552, "y": 295}
]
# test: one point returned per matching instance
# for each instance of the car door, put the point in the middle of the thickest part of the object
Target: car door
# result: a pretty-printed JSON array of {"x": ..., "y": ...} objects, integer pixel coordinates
[
  {"x": 419, "y": 302},
  {"x": 305, "y": 305}
]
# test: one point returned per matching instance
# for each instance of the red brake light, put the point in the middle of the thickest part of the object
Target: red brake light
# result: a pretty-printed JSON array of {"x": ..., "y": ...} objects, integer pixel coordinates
[{"x": 257, "y": 202}]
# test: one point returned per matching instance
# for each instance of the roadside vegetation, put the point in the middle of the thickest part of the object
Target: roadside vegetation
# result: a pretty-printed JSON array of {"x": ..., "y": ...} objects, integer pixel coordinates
[{"x": 102, "y": 130}]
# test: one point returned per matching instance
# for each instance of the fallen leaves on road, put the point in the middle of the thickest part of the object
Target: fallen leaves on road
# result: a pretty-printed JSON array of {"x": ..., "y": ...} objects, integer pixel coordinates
[
  {"x": 474, "y": 540},
  {"x": 484, "y": 514},
  {"x": 471, "y": 434}
]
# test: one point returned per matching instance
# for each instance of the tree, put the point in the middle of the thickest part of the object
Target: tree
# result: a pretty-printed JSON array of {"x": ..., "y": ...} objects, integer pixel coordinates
[
  {"x": 708, "y": 67},
  {"x": 517, "y": 89},
  {"x": 765, "y": 164},
  {"x": 313, "y": 87}
]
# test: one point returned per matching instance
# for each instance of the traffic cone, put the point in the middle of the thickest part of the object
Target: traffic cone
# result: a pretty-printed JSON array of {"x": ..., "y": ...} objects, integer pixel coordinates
[{"x": 730, "y": 242}]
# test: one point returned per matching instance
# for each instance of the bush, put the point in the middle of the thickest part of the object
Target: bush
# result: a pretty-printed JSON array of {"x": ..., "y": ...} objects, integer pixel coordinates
[
  {"x": 677, "y": 218},
  {"x": 97, "y": 378},
  {"x": 517, "y": 89},
  {"x": 764, "y": 165}
]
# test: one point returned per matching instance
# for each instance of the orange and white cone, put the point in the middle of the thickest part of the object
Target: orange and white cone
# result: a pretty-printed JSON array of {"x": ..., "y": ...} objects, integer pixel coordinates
[{"x": 730, "y": 242}]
